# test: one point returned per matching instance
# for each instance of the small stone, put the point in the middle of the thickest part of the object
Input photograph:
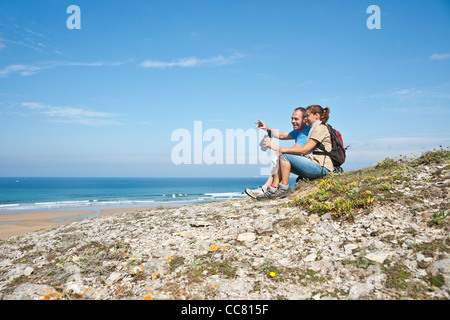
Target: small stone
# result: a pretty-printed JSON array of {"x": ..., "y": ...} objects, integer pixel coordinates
[
  {"x": 5, "y": 263},
  {"x": 326, "y": 216},
  {"x": 377, "y": 256},
  {"x": 335, "y": 239},
  {"x": 348, "y": 248},
  {"x": 152, "y": 266},
  {"x": 246, "y": 237},
  {"x": 310, "y": 258},
  {"x": 114, "y": 277},
  {"x": 197, "y": 224},
  {"x": 441, "y": 267},
  {"x": 264, "y": 228},
  {"x": 75, "y": 284},
  {"x": 359, "y": 290},
  {"x": 28, "y": 271},
  {"x": 299, "y": 295},
  {"x": 187, "y": 235}
]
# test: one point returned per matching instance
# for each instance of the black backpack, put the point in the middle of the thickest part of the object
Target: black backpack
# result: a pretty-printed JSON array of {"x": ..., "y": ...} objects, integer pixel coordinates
[{"x": 337, "y": 153}]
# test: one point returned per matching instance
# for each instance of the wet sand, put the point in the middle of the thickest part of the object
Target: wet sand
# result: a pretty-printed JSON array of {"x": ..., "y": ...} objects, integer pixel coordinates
[{"x": 14, "y": 224}]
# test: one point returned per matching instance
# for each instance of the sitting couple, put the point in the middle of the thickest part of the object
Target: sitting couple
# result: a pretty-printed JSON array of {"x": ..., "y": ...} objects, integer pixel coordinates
[{"x": 300, "y": 159}]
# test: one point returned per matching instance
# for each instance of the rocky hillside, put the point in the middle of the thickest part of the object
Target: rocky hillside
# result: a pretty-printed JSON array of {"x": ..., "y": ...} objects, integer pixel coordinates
[{"x": 376, "y": 233}]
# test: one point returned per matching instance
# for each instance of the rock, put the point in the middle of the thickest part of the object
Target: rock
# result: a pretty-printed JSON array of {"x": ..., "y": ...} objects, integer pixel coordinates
[
  {"x": 377, "y": 256},
  {"x": 311, "y": 257},
  {"x": 246, "y": 237},
  {"x": 264, "y": 227},
  {"x": 28, "y": 271},
  {"x": 5, "y": 263},
  {"x": 374, "y": 269},
  {"x": 114, "y": 277},
  {"x": 187, "y": 235},
  {"x": 29, "y": 291},
  {"x": 198, "y": 224},
  {"x": 348, "y": 248},
  {"x": 441, "y": 267},
  {"x": 299, "y": 295},
  {"x": 74, "y": 284},
  {"x": 72, "y": 269},
  {"x": 359, "y": 290},
  {"x": 421, "y": 257},
  {"x": 15, "y": 273},
  {"x": 376, "y": 245},
  {"x": 326, "y": 216},
  {"x": 152, "y": 267}
]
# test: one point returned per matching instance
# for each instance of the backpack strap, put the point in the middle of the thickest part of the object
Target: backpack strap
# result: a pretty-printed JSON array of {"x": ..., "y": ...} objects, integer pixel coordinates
[{"x": 321, "y": 146}]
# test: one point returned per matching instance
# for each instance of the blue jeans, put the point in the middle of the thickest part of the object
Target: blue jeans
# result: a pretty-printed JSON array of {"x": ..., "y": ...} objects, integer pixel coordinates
[{"x": 304, "y": 167}]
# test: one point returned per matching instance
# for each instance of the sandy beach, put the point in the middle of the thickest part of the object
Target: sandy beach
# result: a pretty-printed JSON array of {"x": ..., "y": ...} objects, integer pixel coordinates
[{"x": 14, "y": 224}]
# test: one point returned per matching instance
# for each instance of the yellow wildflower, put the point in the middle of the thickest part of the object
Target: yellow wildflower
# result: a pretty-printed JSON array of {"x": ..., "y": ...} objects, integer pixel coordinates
[
  {"x": 215, "y": 247},
  {"x": 147, "y": 296}
]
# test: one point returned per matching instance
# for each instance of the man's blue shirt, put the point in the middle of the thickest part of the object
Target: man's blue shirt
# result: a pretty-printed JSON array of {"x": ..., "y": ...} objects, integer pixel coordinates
[{"x": 300, "y": 137}]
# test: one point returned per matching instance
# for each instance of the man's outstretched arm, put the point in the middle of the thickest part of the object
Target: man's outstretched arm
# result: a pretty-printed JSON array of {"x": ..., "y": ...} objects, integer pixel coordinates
[{"x": 275, "y": 133}]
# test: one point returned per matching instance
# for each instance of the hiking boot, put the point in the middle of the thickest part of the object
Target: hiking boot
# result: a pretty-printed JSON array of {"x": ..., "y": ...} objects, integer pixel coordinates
[
  {"x": 279, "y": 193},
  {"x": 255, "y": 193},
  {"x": 282, "y": 193},
  {"x": 267, "y": 195}
]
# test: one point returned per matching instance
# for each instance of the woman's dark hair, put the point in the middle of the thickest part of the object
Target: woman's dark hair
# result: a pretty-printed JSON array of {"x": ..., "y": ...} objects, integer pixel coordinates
[{"x": 324, "y": 112}]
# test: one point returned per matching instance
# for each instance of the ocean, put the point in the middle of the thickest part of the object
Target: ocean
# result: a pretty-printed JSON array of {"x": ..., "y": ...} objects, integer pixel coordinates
[{"x": 95, "y": 194}]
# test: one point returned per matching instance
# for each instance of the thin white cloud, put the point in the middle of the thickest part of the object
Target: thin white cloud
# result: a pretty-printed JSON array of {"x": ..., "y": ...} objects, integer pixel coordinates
[
  {"x": 28, "y": 70},
  {"x": 22, "y": 69},
  {"x": 439, "y": 56},
  {"x": 405, "y": 91},
  {"x": 193, "y": 62},
  {"x": 72, "y": 114},
  {"x": 418, "y": 110},
  {"x": 15, "y": 35}
]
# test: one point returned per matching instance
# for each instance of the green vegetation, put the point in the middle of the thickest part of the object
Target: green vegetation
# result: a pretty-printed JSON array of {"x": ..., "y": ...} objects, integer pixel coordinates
[
  {"x": 344, "y": 195},
  {"x": 204, "y": 267}
]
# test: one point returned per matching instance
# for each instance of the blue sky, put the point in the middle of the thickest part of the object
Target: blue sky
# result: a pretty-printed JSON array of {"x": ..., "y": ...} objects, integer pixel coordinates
[{"x": 105, "y": 99}]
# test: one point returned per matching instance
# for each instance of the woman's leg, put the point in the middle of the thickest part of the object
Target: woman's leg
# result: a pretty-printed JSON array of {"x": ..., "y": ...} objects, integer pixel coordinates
[
  {"x": 285, "y": 171},
  {"x": 276, "y": 178},
  {"x": 269, "y": 181},
  {"x": 304, "y": 166}
]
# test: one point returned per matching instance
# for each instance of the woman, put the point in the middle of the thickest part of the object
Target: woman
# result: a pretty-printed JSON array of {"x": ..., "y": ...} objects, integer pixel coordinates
[{"x": 301, "y": 160}]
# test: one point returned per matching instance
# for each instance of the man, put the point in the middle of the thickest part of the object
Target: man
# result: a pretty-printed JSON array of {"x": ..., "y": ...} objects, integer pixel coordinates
[{"x": 300, "y": 135}]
